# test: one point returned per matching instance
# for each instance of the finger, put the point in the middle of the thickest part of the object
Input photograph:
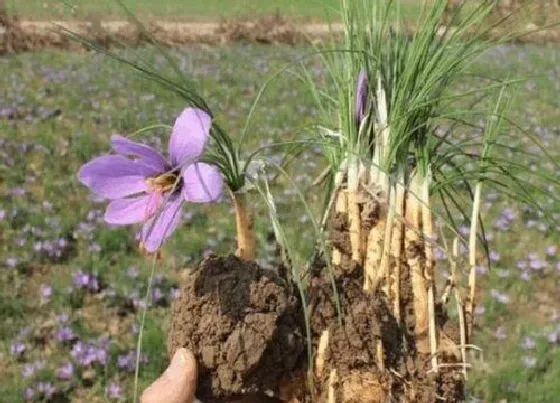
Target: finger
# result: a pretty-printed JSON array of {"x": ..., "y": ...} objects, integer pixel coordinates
[{"x": 177, "y": 384}]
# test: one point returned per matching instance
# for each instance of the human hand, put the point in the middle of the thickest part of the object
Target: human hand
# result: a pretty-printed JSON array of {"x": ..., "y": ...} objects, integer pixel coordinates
[{"x": 177, "y": 384}]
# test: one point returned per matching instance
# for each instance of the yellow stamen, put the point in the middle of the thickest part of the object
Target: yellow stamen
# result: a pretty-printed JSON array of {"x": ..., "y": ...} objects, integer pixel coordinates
[{"x": 162, "y": 183}]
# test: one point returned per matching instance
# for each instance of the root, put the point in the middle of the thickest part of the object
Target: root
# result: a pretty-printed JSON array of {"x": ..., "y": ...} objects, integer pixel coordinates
[{"x": 321, "y": 350}]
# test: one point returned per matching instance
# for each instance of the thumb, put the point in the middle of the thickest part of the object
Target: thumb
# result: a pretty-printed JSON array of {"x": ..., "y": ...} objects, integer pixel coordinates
[{"x": 177, "y": 384}]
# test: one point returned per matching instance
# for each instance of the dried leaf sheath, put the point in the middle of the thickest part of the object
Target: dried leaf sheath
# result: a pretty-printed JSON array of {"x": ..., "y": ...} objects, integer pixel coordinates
[
  {"x": 246, "y": 243},
  {"x": 414, "y": 247}
]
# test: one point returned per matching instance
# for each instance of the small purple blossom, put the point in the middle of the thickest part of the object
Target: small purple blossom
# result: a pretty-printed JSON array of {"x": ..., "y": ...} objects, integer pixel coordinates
[
  {"x": 65, "y": 371},
  {"x": 87, "y": 354},
  {"x": 551, "y": 250},
  {"x": 132, "y": 272},
  {"x": 28, "y": 393},
  {"x": 528, "y": 361},
  {"x": 114, "y": 391},
  {"x": 528, "y": 343},
  {"x": 46, "y": 389},
  {"x": 494, "y": 256},
  {"x": 362, "y": 97},
  {"x": 46, "y": 293},
  {"x": 17, "y": 348},
  {"x": 11, "y": 262},
  {"x": 148, "y": 188},
  {"x": 479, "y": 310},
  {"x": 128, "y": 361},
  {"x": 65, "y": 334},
  {"x": 27, "y": 371},
  {"x": 537, "y": 264},
  {"x": 499, "y": 296},
  {"x": 552, "y": 337},
  {"x": 501, "y": 333}
]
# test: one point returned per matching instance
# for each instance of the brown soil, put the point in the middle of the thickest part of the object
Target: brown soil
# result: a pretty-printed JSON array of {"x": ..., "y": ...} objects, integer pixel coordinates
[
  {"x": 367, "y": 318},
  {"x": 243, "y": 324}
]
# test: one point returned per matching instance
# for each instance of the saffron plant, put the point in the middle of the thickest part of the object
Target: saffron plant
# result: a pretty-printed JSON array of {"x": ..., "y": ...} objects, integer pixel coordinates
[
  {"x": 387, "y": 104},
  {"x": 150, "y": 189}
]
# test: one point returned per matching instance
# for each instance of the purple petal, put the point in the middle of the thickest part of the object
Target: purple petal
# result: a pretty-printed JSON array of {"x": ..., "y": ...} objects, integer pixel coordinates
[
  {"x": 158, "y": 229},
  {"x": 115, "y": 177},
  {"x": 202, "y": 183},
  {"x": 127, "y": 211},
  {"x": 127, "y": 147},
  {"x": 361, "y": 96},
  {"x": 189, "y": 136}
]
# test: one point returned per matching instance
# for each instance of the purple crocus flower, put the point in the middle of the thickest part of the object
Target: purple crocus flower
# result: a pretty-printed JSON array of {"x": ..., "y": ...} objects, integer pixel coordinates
[
  {"x": 361, "y": 97},
  {"x": 114, "y": 391},
  {"x": 65, "y": 371},
  {"x": 17, "y": 348},
  {"x": 28, "y": 393},
  {"x": 150, "y": 189}
]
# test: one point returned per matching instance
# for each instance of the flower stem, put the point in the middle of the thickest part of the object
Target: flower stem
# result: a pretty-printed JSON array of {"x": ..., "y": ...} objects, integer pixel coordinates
[{"x": 141, "y": 331}]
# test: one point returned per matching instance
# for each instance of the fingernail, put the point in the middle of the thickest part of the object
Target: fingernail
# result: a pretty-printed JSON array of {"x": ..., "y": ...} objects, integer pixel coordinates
[{"x": 178, "y": 364}]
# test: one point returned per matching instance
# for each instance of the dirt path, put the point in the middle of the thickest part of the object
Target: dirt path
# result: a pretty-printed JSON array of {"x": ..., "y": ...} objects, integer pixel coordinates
[
  {"x": 21, "y": 36},
  {"x": 18, "y": 36}
]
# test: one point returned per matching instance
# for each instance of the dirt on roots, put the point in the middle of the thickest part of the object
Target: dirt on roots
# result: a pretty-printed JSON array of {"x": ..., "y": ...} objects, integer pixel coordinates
[
  {"x": 243, "y": 324},
  {"x": 246, "y": 327}
]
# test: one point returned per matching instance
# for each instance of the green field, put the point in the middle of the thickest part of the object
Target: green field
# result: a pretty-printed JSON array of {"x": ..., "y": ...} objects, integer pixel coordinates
[
  {"x": 173, "y": 9},
  {"x": 187, "y": 10},
  {"x": 59, "y": 111}
]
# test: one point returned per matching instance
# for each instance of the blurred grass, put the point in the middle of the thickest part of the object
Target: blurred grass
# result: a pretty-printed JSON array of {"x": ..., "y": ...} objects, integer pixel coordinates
[
  {"x": 41, "y": 153},
  {"x": 186, "y": 10}
]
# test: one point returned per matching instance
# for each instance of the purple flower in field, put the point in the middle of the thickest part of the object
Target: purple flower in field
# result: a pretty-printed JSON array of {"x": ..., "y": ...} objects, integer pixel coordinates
[
  {"x": 114, "y": 391},
  {"x": 362, "y": 97},
  {"x": 128, "y": 361},
  {"x": 551, "y": 250},
  {"x": 28, "y": 393},
  {"x": 494, "y": 256},
  {"x": 2, "y": 214},
  {"x": 18, "y": 191},
  {"x": 46, "y": 293},
  {"x": 11, "y": 262},
  {"x": 481, "y": 269},
  {"x": 46, "y": 389},
  {"x": 500, "y": 297},
  {"x": 148, "y": 188},
  {"x": 132, "y": 272},
  {"x": 65, "y": 334},
  {"x": 525, "y": 275},
  {"x": 501, "y": 333},
  {"x": 80, "y": 279},
  {"x": 552, "y": 337},
  {"x": 27, "y": 371},
  {"x": 528, "y": 361},
  {"x": 521, "y": 264},
  {"x": 537, "y": 264},
  {"x": 17, "y": 348},
  {"x": 65, "y": 371},
  {"x": 528, "y": 343}
]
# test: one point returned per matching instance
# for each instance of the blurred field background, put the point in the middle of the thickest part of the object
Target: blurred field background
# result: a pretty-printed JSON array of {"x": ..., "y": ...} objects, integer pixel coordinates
[
  {"x": 185, "y": 10},
  {"x": 71, "y": 288}
]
